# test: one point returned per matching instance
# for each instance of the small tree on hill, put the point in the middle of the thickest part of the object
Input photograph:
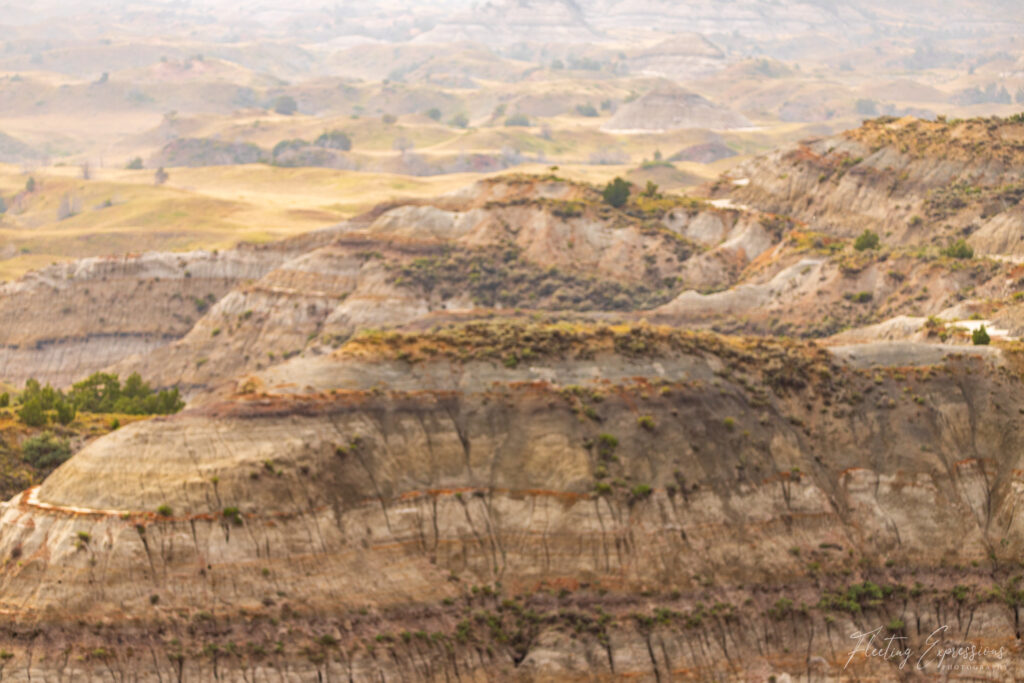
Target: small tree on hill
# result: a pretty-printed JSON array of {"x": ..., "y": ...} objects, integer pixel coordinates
[
  {"x": 285, "y": 105},
  {"x": 135, "y": 164},
  {"x": 334, "y": 139},
  {"x": 980, "y": 337},
  {"x": 458, "y": 121},
  {"x": 517, "y": 119},
  {"x": 616, "y": 193},
  {"x": 30, "y": 184},
  {"x": 160, "y": 177},
  {"x": 65, "y": 412},
  {"x": 3, "y": 206},
  {"x": 433, "y": 113},
  {"x": 866, "y": 240},
  {"x": 31, "y": 413},
  {"x": 46, "y": 396},
  {"x": 288, "y": 145}
]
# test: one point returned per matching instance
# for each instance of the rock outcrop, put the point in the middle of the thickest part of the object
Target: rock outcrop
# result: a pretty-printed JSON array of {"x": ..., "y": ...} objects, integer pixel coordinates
[
  {"x": 915, "y": 181},
  {"x": 68, "y": 320}
]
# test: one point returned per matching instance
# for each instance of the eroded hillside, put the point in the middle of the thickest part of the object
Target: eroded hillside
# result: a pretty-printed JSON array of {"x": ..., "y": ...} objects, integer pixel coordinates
[
  {"x": 540, "y": 501},
  {"x": 915, "y": 182},
  {"x": 502, "y": 246},
  {"x": 515, "y": 432}
]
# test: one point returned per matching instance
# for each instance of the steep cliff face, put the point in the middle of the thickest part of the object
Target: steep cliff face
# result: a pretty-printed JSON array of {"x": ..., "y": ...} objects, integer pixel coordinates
[
  {"x": 811, "y": 292},
  {"x": 544, "y": 502},
  {"x": 68, "y": 320}
]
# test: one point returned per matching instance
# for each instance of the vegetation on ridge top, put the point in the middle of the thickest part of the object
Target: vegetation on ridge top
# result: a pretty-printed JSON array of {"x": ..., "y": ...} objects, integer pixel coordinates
[{"x": 99, "y": 393}]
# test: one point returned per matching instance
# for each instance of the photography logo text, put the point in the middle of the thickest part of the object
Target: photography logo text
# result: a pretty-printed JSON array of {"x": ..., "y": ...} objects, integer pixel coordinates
[{"x": 936, "y": 651}]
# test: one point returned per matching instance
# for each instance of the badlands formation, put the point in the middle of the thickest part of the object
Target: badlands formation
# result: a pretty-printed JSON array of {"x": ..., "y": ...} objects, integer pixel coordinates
[{"x": 514, "y": 433}]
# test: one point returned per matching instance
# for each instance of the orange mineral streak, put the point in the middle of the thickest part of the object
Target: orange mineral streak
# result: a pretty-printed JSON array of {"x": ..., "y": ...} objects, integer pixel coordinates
[{"x": 29, "y": 501}]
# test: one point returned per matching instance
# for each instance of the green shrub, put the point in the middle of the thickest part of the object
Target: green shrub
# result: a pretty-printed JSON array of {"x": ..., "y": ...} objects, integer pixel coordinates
[
  {"x": 857, "y": 597},
  {"x": 31, "y": 413},
  {"x": 45, "y": 450},
  {"x": 729, "y": 423},
  {"x": 606, "y": 445},
  {"x": 5, "y": 400},
  {"x": 46, "y": 396},
  {"x": 781, "y": 608},
  {"x": 616, "y": 193},
  {"x": 103, "y": 393},
  {"x": 859, "y": 297},
  {"x": 233, "y": 514},
  {"x": 285, "y": 105},
  {"x": 459, "y": 121},
  {"x": 65, "y": 412},
  {"x": 602, "y": 488},
  {"x": 980, "y": 337},
  {"x": 164, "y": 511},
  {"x": 640, "y": 491},
  {"x": 959, "y": 250},
  {"x": 646, "y": 422},
  {"x": 135, "y": 164},
  {"x": 286, "y": 146},
  {"x": 866, "y": 240},
  {"x": 517, "y": 120},
  {"x": 433, "y": 113},
  {"x": 651, "y": 190},
  {"x": 334, "y": 139},
  {"x": 587, "y": 110}
]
